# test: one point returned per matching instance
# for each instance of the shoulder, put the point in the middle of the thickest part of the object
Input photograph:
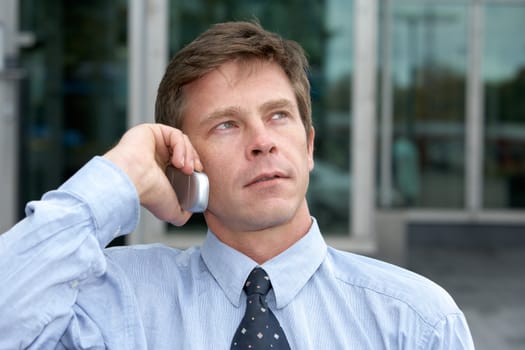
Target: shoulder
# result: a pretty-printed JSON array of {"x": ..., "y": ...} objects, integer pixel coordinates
[
  {"x": 155, "y": 251},
  {"x": 392, "y": 285},
  {"x": 153, "y": 261}
]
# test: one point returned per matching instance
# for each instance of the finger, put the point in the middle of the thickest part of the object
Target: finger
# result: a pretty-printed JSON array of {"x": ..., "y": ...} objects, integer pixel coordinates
[
  {"x": 194, "y": 155},
  {"x": 175, "y": 214},
  {"x": 161, "y": 150},
  {"x": 177, "y": 145},
  {"x": 169, "y": 210},
  {"x": 189, "y": 160},
  {"x": 198, "y": 164},
  {"x": 180, "y": 219}
]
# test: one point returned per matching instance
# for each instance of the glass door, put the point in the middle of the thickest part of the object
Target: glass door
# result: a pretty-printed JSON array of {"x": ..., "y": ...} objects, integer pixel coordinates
[
  {"x": 74, "y": 97},
  {"x": 503, "y": 75},
  {"x": 424, "y": 105}
]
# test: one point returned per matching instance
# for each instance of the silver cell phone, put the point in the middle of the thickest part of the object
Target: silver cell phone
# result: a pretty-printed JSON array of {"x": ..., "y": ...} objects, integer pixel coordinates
[{"x": 192, "y": 190}]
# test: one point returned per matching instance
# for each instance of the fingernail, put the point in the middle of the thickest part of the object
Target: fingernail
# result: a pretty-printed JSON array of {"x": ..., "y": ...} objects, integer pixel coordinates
[{"x": 196, "y": 165}]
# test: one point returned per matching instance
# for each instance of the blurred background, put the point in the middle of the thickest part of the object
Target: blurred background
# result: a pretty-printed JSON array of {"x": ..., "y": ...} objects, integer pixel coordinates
[{"x": 419, "y": 109}]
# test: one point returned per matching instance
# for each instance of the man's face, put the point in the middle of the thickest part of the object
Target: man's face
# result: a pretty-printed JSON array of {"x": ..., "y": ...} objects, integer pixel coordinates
[{"x": 244, "y": 122}]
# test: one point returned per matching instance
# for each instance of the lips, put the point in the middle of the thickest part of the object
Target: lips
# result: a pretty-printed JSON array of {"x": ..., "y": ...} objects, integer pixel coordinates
[{"x": 265, "y": 177}]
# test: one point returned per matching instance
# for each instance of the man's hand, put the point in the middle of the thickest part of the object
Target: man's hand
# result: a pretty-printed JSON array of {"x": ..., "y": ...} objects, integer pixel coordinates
[{"x": 143, "y": 153}]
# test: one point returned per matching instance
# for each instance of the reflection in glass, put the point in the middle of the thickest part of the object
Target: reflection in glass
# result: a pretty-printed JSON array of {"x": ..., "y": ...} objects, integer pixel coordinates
[
  {"x": 74, "y": 97},
  {"x": 504, "y": 84},
  {"x": 428, "y": 86}
]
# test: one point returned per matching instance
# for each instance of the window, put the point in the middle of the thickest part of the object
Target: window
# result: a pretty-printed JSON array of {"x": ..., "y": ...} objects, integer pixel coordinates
[
  {"x": 427, "y": 61},
  {"x": 503, "y": 65},
  {"x": 74, "y": 97}
]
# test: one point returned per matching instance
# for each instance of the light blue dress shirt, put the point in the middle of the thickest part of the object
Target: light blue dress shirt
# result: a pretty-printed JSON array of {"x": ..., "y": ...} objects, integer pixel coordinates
[{"x": 61, "y": 289}]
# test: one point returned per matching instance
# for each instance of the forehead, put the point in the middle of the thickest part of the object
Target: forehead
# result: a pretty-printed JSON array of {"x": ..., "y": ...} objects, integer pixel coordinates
[
  {"x": 242, "y": 84},
  {"x": 236, "y": 72}
]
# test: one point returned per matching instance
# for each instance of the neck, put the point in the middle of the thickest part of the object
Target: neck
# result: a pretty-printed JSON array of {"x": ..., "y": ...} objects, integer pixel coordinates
[{"x": 264, "y": 244}]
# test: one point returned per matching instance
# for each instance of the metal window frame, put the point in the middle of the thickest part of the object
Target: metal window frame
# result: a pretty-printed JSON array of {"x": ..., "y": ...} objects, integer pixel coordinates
[
  {"x": 148, "y": 54},
  {"x": 474, "y": 127},
  {"x": 364, "y": 121},
  {"x": 9, "y": 114}
]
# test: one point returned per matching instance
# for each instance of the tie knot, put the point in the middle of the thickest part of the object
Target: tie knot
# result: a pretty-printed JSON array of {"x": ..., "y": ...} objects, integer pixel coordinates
[{"x": 257, "y": 282}]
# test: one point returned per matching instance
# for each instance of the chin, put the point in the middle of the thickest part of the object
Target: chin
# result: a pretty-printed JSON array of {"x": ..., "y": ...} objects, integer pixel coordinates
[
  {"x": 257, "y": 215},
  {"x": 267, "y": 223},
  {"x": 268, "y": 218}
]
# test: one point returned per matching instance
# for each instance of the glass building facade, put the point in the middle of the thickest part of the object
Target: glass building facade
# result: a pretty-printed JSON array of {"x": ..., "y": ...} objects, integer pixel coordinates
[{"x": 447, "y": 87}]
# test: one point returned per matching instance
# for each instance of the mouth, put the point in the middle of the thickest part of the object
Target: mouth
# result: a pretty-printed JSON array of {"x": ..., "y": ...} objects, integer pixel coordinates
[{"x": 265, "y": 178}]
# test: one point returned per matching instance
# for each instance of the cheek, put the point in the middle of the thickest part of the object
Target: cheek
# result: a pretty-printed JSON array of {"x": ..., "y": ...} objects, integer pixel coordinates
[
  {"x": 218, "y": 169},
  {"x": 217, "y": 156},
  {"x": 207, "y": 156}
]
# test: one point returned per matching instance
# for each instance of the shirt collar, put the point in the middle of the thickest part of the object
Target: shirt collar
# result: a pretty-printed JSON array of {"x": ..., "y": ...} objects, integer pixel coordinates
[{"x": 289, "y": 271}]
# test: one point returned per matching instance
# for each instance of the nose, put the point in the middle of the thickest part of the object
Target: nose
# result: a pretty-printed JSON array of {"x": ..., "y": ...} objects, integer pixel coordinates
[{"x": 260, "y": 142}]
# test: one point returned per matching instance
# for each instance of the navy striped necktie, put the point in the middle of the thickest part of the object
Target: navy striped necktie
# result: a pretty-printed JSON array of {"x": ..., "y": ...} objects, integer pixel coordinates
[{"x": 259, "y": 328}]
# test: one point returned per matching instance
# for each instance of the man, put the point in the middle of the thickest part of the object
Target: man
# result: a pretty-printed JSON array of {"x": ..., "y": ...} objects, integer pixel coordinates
[{"x": 236, "y": 104}]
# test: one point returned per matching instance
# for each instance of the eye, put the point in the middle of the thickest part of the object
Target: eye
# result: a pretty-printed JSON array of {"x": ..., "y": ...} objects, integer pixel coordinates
[
  {"x": 225, "y": 125},
  {"x": 279, "y": 115}
]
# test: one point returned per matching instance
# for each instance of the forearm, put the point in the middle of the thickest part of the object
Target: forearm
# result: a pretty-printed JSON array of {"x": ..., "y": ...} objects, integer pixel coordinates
[{"x": 57, "y": 249}]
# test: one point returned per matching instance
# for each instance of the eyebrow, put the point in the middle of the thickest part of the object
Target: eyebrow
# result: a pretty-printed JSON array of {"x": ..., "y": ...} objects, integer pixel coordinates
[
  {"x": 276, "y": 104},
  {"x": 223, "y": 112},
  {"x": 235, "y": 110}
]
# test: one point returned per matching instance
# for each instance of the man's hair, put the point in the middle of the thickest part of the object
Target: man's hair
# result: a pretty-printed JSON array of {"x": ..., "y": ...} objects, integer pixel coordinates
[{"x": 224, "y": 42}]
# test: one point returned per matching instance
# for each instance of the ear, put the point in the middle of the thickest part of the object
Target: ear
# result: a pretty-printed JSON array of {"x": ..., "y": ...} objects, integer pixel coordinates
[{"x": 310, "y": 140}]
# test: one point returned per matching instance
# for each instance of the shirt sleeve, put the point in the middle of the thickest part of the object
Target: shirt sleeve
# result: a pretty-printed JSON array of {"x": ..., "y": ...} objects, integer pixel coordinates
[
  {"x": 451, "y": 333},
  {"x": 57, "y": 249}
]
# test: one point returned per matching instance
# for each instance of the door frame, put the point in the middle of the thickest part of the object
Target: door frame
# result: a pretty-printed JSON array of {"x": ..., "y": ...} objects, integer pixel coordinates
[{"x": 10, "y": 77}]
